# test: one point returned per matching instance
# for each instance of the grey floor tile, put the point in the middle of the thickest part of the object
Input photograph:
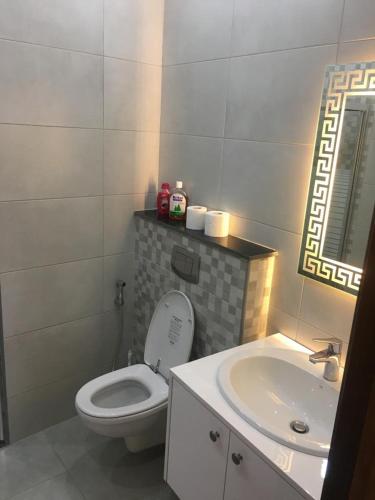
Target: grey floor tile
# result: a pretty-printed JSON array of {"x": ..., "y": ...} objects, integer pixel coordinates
[
  {"x": 57, "y": 488},
  {"x": 27, "y": 463},
  {"x": 71, "y": 440},
  {"x": 109, "y": 471}
]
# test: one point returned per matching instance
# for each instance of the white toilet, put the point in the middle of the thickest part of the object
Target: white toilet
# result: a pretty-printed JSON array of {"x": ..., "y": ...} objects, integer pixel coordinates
[{"x": 132, "y": 402}]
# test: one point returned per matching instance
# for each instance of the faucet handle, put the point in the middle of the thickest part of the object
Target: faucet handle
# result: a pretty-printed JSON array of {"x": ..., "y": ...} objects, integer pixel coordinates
[{"x": 334, "y": 343}]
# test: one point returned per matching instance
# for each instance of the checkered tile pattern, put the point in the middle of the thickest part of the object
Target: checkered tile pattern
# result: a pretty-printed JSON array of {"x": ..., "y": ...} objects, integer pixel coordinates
[{"x": 219, "y": 299}]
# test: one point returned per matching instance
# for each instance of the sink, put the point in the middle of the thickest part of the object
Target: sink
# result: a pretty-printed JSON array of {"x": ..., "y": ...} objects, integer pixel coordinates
[{"x": 283, "y": 396}]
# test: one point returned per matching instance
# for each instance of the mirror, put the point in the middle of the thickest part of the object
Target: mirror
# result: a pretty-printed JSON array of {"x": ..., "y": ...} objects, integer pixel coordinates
[{"x": 342, "y": 188}]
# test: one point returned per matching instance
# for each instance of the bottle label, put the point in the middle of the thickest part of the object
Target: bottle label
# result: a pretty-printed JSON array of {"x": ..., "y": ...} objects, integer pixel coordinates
[{"x": 177, "y": 206}]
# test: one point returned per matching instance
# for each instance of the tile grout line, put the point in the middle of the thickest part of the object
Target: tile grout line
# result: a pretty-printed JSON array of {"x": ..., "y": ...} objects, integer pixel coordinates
[
  {"x": 340, "y": 30},
  {"x": 252, "y": 54},
  {"x": 76, "y": 51},
  {"x": 70, "y": 197}
]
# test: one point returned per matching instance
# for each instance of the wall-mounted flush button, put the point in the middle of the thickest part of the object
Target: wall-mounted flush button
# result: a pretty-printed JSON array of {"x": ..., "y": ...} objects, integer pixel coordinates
[{"x": 185, "y": 264}]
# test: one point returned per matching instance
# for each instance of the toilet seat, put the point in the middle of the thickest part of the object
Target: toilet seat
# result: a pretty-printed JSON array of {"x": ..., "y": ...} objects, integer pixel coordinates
[{"x": 139, "y": 376}]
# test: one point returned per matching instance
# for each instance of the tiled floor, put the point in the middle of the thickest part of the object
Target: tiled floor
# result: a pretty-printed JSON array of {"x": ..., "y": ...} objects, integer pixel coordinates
[{"x": 69, "y": 462}]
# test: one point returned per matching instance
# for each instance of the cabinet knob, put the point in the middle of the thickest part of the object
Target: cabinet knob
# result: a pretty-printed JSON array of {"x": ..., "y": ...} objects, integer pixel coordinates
[
  {"x": 214, "y": 436},
  {"x": 237, "y": 458}
]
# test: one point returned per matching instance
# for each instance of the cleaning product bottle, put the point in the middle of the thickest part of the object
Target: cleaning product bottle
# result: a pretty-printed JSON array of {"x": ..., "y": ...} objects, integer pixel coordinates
[
  {"x": 163, "y": 200},
  {"x": 178, "y": 202}
]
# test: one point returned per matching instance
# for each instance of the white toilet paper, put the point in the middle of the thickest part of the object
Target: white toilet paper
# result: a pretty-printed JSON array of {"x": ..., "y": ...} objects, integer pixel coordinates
[
  {"x": 195, "y": 217},
  {"x": 216, "y": 224}
]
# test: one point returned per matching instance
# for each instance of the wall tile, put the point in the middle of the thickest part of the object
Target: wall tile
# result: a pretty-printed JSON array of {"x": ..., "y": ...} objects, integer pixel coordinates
[
  {"x": 266, "y": 182},
  {"x": 358, "y": 20},
  {"x": 196, "y": 30},
  {"x": 269, "y": 100},
  {"x": 71, "y": 24},
  {"x": 52, "y": 354},
  {"x": 286, "y": 284},
  {"x": 193, "y": 99},
  {"x": 327, "y": 309},
  {"x": 273, "y": 25},
  {"x": 51, "y": 295},
  {"x": 133, "y": 29},
  {"x": 49, "y": 162},
  {"x": 356, "y": 51},
  {"x": 119, "y": 221},
  {"x": 118, "y": 267},
  {"x": 195, "y": 160},
  {"x": 39, "y": 408},
  {"x": 52, "y": 231},
  {"x": 131, "y": 162},
  {"x": 131, "y": 95},
  {"x": 281, "y": 322},
  {"x": 44, "y": 86}
]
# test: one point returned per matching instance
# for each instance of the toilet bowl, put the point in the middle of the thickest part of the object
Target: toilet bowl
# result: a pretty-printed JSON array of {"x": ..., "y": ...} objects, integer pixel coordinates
[{"x": 132, "y": 402}]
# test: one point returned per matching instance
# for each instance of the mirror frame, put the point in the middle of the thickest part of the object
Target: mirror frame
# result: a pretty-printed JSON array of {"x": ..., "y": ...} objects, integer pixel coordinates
[{"x": 340, "y": 82}]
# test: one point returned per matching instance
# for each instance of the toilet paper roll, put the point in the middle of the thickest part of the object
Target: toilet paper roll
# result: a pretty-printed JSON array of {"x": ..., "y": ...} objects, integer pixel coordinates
[
  {"x": 195, "y": 217},
  {"x": 216, "y": 224}
]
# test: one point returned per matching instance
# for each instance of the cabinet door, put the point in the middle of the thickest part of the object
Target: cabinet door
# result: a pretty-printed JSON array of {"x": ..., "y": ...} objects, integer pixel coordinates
[
  {"x": 198, "y": 447},
  {"x": 250, "y": 478}
]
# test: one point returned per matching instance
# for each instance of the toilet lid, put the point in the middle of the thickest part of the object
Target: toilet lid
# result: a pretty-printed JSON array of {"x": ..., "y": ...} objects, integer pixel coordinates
[{"x": 170, "y": 334}]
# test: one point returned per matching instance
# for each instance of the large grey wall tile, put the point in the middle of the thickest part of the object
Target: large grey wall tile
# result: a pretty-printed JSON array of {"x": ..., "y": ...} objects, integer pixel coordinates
[
  {"x": 131, "y": 95},
  {"x": 119, "y": 221},
  {"x": 358, "y": 20},
  {"x": 196, "y": 30},
  {"x": 38, "y": 233},
  {"x": 356, "y": 51},
  {"x": 41, "y": 407},
  {"x": 26, "y": 464},
  {"x": 38, "y": 358},
  {"x": 287, "y": 284},
  {"x": 134, "y": 30},
  {"x": 195, "y": 160},
  {"x": 275, "y": 97},
  {"x": 41, "y": 297},
  {"x": 45, "y": 86},
  {"x": 273, "y": 25},
  {"x": 118, "y": 267},
  {"x": 49, "y": 162},
  {"x": 193, "y": 99},
  {"x": 327, "y": 309},
  {"x": 71, "y": 24},
  {"x": 281, "y": 322},
  {"x": 266, "y": 182},
  {"x": 131, "y": 162}
]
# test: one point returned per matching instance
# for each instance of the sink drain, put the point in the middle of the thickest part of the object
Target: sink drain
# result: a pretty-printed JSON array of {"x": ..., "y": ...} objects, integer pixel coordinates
[{"x": 299, "y": 426}]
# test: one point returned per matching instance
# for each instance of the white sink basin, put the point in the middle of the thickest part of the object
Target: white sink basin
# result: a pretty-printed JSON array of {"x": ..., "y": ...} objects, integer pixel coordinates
[{"x": 270, "y": 388}]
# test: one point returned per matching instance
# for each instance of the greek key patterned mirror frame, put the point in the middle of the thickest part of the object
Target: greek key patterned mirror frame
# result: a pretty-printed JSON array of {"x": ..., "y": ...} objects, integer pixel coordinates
[{"x": 340, "y": 82}]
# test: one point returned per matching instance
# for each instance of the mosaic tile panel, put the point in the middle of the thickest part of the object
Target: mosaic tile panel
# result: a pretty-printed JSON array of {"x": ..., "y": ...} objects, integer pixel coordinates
[{"x": 218, "y": 299}]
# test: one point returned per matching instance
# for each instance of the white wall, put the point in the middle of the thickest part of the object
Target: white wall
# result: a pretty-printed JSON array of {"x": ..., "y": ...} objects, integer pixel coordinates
[
  {"x": 242, "y": 82},
  {"x": 80, "y": 86}
]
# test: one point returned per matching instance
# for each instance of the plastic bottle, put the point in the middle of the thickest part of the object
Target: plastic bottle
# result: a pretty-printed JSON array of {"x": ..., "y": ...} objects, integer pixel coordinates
[
  {"x": 163, "y": 201},
  {"x": 178, "y": 202}
]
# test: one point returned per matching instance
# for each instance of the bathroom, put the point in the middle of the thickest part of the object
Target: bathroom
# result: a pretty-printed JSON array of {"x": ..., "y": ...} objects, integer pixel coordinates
[{"x": 102, "y": 101}]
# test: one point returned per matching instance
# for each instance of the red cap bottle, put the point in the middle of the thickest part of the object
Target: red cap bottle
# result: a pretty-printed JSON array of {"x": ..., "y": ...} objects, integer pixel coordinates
[{"x": 163, "y": 200}]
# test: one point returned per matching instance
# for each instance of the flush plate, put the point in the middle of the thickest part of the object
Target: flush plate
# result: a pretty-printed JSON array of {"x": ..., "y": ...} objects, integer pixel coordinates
[{"x": 186, "y": 264}]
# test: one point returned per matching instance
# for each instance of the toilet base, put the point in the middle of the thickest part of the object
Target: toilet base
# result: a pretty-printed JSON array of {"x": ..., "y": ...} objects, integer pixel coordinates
[{"x": 149, "y": 438}]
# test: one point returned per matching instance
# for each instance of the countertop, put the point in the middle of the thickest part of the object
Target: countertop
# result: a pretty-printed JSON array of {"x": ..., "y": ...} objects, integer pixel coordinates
[{"x": 231, "y": 244}]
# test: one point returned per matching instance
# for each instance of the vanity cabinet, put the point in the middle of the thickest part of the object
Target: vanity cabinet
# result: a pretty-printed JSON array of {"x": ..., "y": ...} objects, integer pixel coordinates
[
  {"x": 197, "y": 451},
  {"x": 206, "y": 460}
]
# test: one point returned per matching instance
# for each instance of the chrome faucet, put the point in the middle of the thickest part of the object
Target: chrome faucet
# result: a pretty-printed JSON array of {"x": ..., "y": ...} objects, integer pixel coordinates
[{"x": 330, "y": 356}]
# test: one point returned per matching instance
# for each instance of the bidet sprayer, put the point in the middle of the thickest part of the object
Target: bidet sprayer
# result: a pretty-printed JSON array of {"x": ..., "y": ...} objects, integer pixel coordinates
[{"x": 119, "y": 299}]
